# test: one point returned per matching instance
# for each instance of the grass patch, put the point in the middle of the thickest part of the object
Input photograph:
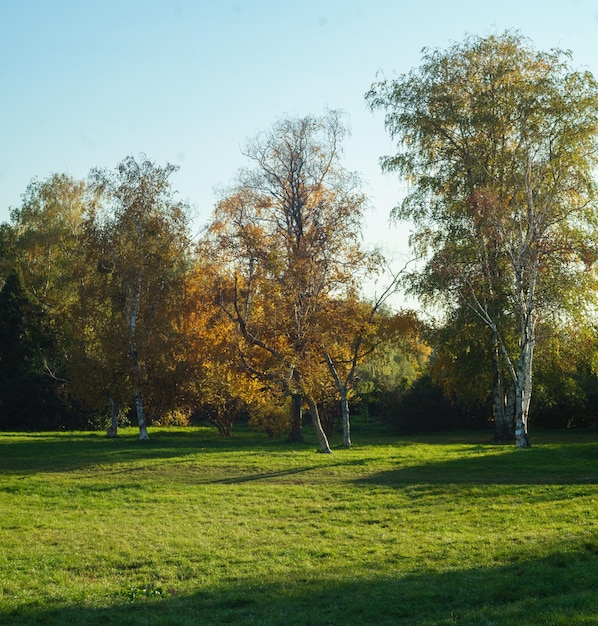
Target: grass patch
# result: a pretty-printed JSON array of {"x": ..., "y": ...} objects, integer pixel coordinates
[{"x": 193, "y": 529}]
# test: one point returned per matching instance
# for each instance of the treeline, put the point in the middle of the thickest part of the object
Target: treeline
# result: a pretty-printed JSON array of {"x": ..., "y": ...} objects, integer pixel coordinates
[{"x": 111, "y": 311}]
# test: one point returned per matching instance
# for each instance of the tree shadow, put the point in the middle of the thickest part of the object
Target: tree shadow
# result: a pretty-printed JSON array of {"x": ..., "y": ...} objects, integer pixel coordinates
[
  {"x": 557, "y": 589},
  {"x": 48, "y": 452},
  {"x": 569, "y": 464},
  {"x": 266, "y": 476}
]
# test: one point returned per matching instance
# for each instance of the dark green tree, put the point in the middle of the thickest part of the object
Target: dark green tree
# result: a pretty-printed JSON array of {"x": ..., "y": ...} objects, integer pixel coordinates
[{"x": 29, "y": 392}]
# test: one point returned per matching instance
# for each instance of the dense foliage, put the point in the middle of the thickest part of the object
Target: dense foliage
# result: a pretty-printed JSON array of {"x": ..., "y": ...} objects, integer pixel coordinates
[
  {"x": 500, "y": 143},
  {"x": 110, "y": 312}
]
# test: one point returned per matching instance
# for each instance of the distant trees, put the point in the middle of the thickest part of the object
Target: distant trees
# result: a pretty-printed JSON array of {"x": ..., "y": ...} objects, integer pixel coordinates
[
  {"x": 43, "y": 245},
  {"x": 107, "y": 262},
  {"x": 499, "y": 142},
  {"x": 268, "y": 305}
]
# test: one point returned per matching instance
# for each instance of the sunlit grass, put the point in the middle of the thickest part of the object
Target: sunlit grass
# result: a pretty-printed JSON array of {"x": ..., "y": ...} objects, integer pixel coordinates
[{"x": 194, "y": 529}]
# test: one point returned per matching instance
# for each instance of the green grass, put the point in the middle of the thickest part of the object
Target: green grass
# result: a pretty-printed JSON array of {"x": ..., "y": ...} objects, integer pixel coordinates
[{"x": 193, "y": 529}]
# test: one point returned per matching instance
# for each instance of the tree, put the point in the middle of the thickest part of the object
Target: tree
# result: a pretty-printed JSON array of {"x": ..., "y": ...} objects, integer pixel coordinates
[
  {"x": 215, "y": 385},
  {"x": 142, "y": 259},
  {"x": 499, "y": 142},
  {"x": 45, "y": 241},
  {"x": 287, "y": 239},
  {"x": 28, "y": 394},
  {"x": 357, "y": 329}
]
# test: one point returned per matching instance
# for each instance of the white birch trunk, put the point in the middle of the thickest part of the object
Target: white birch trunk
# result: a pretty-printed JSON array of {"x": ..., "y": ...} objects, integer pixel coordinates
[
  {"x": 344, "y": 399},
  {"x": 143, "y": 436},
  {"x": 315, "y": 416},
  {"x": 521, "y": 387},
  {"x": 135, "y": 367},
  {"x": 524, "y": 384}
]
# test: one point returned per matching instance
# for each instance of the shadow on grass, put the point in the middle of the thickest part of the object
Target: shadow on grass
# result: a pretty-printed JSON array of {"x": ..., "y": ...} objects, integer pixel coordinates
[
  {"x": 557, "y": 463},
  {"x": 573, "y": 464},
  {"x": 559, "y": 589},
  {"x": 47, "y": 452}
]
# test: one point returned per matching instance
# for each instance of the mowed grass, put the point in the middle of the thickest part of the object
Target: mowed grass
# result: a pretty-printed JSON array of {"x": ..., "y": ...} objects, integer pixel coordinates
[{"x": 194, "y": 529}]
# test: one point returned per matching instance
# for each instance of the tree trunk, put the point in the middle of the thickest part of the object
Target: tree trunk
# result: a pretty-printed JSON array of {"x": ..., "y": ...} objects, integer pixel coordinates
[
  {"x": 524, "y": 385},
  {"x": 296, "y": 430},
  {"x": 113, "y": 428},
  {"x": 346, "y": 418},
  {"x": 315, "y": 416},
  {"x": 521, "y": 415},
  {"x": 131, "y": 312},
  {"x": 343, "y": 391},
  {"x": 503, "y": 420},
  {"x": 503, "y": 417},
  {"x": 521, "y": 436},
  {"x": 143, "y": 436}
]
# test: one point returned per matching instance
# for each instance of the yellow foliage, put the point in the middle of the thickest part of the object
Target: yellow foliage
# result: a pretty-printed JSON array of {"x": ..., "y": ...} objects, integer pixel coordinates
[
  {"x": 271, "y": 417},
  {"x": 176, "y": 417}
]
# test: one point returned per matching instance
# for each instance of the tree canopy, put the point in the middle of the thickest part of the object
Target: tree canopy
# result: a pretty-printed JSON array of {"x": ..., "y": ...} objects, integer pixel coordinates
[
  {"x": 499, "y": 144},
  {"x": 287, "y": 237},
  {"x": 112, "y": 310}
]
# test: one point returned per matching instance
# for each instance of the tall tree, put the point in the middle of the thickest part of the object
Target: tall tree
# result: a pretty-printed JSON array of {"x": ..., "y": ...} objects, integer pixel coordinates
[
  {"x": 499, "y": 142},
  {"x": 45, "y": 241},
  {"x": 143, "y": 245},
  {"x": 288, "y": 237},
  {"x": 28, "y": 398}
]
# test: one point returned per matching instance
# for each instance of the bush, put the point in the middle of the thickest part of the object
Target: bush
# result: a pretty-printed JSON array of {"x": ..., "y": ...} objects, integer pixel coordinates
[
  {"x": 175, "y": 417},
  {"x": 271, "y": 417}
]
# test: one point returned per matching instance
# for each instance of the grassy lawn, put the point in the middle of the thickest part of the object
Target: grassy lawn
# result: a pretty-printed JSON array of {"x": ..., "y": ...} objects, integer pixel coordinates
[{"x": 193, "y": 529}]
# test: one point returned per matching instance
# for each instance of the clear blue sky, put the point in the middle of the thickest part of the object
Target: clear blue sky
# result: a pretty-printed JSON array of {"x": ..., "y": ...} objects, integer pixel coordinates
[{"x": 87, "y": 82}]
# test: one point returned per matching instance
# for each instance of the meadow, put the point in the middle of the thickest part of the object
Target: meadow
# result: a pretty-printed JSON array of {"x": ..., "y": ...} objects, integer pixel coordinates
[{"x": 191, "y": 528}]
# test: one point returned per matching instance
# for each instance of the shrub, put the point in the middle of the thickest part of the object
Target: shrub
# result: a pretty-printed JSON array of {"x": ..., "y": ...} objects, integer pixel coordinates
[{"x": 271, "y": 417}]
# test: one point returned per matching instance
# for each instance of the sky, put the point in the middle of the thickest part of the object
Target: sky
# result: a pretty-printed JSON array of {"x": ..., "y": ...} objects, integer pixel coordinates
[{"x": 86, "y": 83}]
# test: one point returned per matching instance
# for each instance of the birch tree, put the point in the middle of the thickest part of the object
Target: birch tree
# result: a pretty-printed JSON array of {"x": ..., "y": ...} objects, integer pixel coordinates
[
  {"x": 142, "y": 258},
  {"x": 356, "y": 329},
  {"x": 287, "y": 237},
  {"x": 498, "y": 142}
]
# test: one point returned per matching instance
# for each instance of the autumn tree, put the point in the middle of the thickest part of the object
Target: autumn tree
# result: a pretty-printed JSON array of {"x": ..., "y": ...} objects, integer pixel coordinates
[
  {"x": 498, "y": 141},
  {"x": 287, "y": 237},
  {"x": 215, "y": 385},
  {"x": 358, "y": 328},
  {"x": 142, "y": 258}
]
